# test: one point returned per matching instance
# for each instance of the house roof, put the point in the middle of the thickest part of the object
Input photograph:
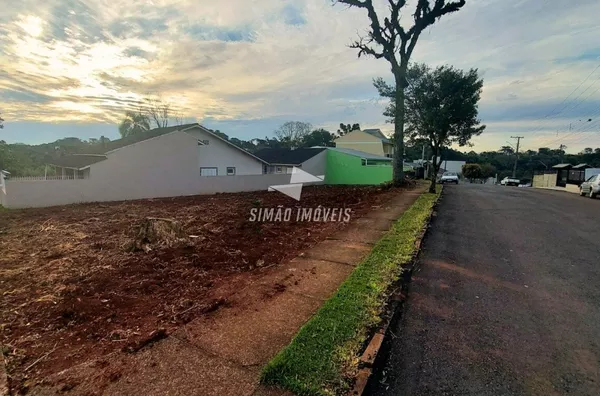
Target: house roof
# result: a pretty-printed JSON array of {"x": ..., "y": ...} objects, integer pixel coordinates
[
  {"x": 582, "y": 166},
  {"x": 562, "y": 166},
  {"x": 76, "y": 161},
  {"x": 112, "y": 145},
  {"x": 361, "y": 154},
  {"x": 286, "y": 156},
  {"x": 132, "y": 139},
  {"x": 378, "y": 134}
]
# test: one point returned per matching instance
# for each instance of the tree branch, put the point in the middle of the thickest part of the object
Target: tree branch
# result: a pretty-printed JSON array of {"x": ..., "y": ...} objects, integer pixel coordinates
[{"x": 364, "y": 48}]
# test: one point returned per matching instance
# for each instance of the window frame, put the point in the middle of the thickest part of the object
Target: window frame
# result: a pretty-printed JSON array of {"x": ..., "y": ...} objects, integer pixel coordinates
[
  {"x": 278, "y": 169},
  {"x": 227, "y": 171}
]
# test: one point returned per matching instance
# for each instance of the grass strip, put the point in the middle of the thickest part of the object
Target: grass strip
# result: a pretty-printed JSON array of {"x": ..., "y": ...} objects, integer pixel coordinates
[{"x": 326, "y": 347}]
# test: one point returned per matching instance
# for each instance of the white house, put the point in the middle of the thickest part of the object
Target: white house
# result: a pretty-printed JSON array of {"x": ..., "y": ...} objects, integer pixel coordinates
[
  {"x": 165, "y": 162},
  {"x": 178, "y": 151}
]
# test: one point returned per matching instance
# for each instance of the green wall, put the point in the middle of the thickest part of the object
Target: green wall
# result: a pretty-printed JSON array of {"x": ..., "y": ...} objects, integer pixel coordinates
[{"x": 347, "y": 169}]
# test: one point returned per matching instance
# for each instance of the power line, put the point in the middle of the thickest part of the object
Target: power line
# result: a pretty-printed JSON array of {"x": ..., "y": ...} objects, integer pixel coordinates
[{"x": 552, "y": 112}]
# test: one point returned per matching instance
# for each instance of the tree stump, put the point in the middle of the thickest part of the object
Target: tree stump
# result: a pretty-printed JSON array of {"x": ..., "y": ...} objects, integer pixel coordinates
[{"x": 157, "y": 232}]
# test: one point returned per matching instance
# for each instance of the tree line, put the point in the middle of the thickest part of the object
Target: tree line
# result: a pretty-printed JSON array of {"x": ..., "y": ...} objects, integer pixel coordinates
[{"x": 30, "y": 160}]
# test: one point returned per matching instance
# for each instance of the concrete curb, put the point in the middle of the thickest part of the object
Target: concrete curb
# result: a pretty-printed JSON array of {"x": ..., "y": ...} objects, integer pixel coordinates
[{"x": 371, "y": 353}]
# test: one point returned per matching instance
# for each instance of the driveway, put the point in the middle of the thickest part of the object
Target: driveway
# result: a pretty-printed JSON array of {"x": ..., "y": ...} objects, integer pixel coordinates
[{"x": 506, "y": 300}]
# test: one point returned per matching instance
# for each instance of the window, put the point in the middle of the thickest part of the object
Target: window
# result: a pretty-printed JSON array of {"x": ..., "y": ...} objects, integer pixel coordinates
[
  {"x": 208, "y": 171},
  {"x": 278, "y": 169},
  {"x": 591, "y": 179},
  {"x": 203, "y": 142},
  {"x": 231, "y": 171}
]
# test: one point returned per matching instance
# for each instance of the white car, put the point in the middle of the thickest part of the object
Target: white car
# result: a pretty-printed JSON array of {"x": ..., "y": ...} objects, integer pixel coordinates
[
  {"x": 449, "y": 177},
  {"x": 590, "y": 187},
  {"x": 507, "y": 181}
]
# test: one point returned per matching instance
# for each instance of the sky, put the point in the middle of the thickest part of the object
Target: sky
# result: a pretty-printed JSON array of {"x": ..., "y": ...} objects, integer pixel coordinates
[{"x": 73, "y": 67}]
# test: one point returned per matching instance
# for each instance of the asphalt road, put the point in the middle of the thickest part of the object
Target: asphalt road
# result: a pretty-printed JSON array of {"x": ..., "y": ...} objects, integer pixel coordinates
[{"x": 506, "y": 300}]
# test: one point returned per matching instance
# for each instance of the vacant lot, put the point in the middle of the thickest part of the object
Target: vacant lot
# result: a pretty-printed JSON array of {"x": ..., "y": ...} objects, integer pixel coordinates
[{"x": 75, "y": 285}]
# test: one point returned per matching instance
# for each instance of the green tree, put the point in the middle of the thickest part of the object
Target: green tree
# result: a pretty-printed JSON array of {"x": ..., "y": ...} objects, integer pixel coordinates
[
  {"x": 292, "y": 133},
  {"x": 319, "y": 137},
  {"x": 134, "y": 122},
  {"x": 506, "y": 150},
  {"x": 488, "y": 170},
  {"x": 472, "y": 172},
  {"x": 347, "y": 128},
  {"x": 441, "y": 107},
  {"x": 389, "y": 40}
]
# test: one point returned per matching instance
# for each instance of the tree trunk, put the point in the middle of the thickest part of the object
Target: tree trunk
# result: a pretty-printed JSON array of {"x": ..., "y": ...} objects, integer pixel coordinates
[
  {"x": 398, "y": 161},
  {"x": 436, "y": 167}
]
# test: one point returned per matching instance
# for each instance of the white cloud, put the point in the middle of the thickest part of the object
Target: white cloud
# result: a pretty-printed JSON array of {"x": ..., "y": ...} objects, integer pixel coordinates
[{"x": 87, "y": 60}]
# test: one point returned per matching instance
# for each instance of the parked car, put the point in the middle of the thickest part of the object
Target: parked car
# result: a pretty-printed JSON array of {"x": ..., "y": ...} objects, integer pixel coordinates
[
  {"x": 590, "y": 187},
  {"x": 449, "y": 177},
  {"x": 508, "y": 181}
]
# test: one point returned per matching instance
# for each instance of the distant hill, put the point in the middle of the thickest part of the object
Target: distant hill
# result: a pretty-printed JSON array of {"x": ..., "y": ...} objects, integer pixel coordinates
[{"x": 29, "y": 160}]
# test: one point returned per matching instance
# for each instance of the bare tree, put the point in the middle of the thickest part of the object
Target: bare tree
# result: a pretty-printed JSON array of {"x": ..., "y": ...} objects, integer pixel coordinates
[
  {"x": 158, "y": 111},
  {"x": 178, "y": 117},
  {"x": 389, "y": 40},
  {"x": 292, "y": 133}
]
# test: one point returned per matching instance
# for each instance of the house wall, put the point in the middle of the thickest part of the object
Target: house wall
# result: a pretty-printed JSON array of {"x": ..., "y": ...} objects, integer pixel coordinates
[
  {"x": 359, "y": 140},
  {"x": 41, "y": 193},
  {"x": 544, "y": 181},
  {"x": 347, "y": 169},
  {"x": 316, "y": 165},
  {"x": 220, "y": 154}
]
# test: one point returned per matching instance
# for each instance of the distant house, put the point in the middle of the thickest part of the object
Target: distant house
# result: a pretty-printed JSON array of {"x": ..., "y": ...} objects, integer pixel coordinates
[
  {"x": 283, "y": 160},
  {"x": 371, "y": 141},
  {"x": 564, "y": 176},
  {"x": 339, "y": 165},
  {"x": 170, "y": 152},
  {"x": 75, "y": 166}
]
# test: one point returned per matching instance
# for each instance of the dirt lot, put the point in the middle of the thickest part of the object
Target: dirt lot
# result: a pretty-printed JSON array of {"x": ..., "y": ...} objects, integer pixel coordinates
[{"x": 75, "y": 286}]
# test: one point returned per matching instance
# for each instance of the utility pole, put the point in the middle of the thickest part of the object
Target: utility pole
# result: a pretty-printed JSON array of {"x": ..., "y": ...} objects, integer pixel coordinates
[{"x": 514, "y": 175}]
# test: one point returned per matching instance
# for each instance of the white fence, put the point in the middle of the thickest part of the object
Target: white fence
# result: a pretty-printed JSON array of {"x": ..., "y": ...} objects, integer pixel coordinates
[
  {"x": 41, "y": 193},
  {"x": 31, "y": 178}
]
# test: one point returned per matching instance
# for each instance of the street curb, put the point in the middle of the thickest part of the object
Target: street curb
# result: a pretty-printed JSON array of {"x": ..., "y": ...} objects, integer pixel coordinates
[{"x": 397, "y": 298}]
